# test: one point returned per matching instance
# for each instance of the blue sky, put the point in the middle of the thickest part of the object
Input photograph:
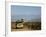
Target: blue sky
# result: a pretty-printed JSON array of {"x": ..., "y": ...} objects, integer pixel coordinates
[{"x": 26, "y": 12}]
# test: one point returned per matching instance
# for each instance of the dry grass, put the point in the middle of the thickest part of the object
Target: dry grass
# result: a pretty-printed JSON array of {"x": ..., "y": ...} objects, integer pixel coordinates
[{"x": 27, "y": 26}]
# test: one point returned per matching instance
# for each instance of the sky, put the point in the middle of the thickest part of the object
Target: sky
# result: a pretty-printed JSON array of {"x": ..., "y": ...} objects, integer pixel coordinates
[{"x": 26, "y": 12}]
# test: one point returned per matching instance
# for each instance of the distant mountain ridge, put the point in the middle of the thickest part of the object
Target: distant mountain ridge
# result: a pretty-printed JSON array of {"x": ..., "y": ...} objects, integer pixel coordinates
[{"x": 25, "y": 20}]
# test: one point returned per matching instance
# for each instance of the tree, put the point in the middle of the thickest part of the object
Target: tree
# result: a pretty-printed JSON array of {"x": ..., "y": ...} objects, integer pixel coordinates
[{"x": 22, "y": 20}]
